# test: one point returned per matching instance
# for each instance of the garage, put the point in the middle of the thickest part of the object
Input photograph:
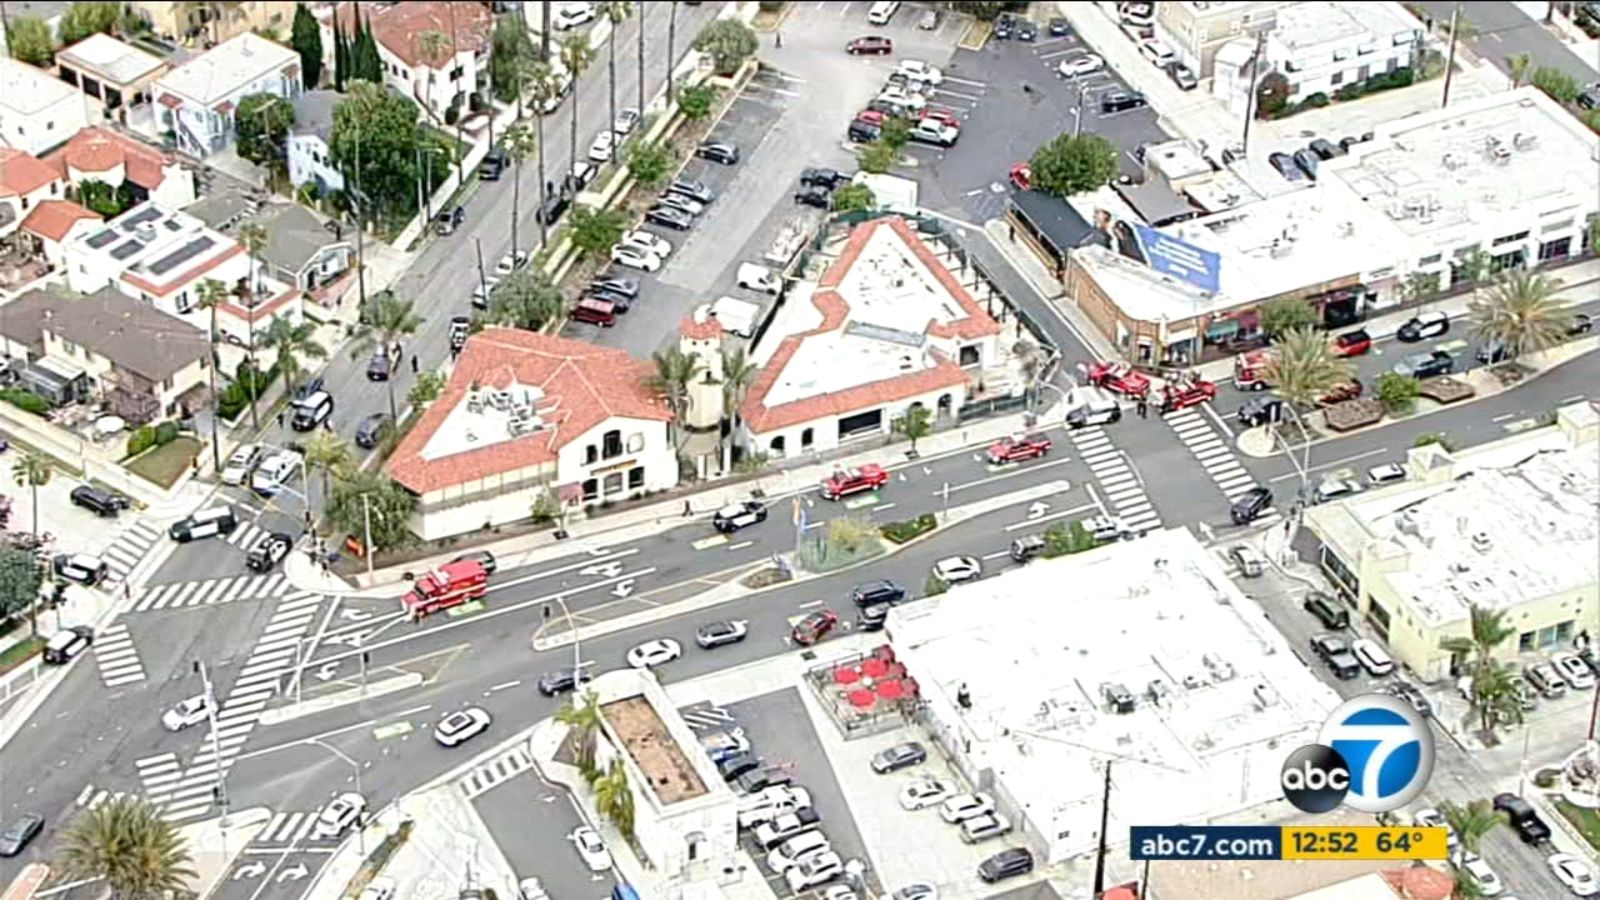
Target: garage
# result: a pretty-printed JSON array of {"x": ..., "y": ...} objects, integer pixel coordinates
[{"x": 870, "y": 422}]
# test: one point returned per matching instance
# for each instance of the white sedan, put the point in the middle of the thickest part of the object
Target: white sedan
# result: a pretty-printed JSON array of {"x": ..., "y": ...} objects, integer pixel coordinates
[
  {"x": 600, "y": 150},
  {"x": 926, "y": 792},
  {"x": 190, "y": 712},
  {"x": 1083, "y": 65},
  {"x": 966, "y": 806},
  {"x": 591, "y": 848},
  {"x": 1489, "y": 883},
  {"x": 956, "y": 569},
  {"x": 645, "y": 241},
  {"x": 634, "y": 258},
  {"x": 903, "y": 99},
  {"x": 339, "y": 815},
  {"x": 1574, "y": 873},
  {"x": 509, "y": 262},
  {"x": 240, "y": 463},
  {"x": 653, "y": 653},
  {"x": 461, "y": 726},
  {"x": 917, "y": 70}
]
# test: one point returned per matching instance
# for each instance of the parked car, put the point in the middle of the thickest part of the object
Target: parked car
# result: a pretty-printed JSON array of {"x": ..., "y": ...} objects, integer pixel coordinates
[
  {"x": 447, "y": 221},
  {"x": 1182, "y": 76},
  {"x": 626, "y": 121},
  {"x": 1259, "y": 411},
  {"x": 816, "y": 625},
  {"x": 688, "y": 205},
  {"x": 1325, "y": 149},
  {"x": 843, "y": 482},
  {"x": 1386, "y": 473},
  {"x": 566, "y": 16},
  {"x": 917, "y": 70},
  {"x": 870, "y": 593},
  {"x": 371, "y": 430},
  {"x": 814, "y": 196},
  {"x": 718, "y": 152},
  {"x": 1008, "y": 863},
  {"x": 1489, "y": 883},
  {"x": 275, "y": 472},
  {"x": 1373, "y": 658},
  {"x": 1308, "y": 162},
  {"x": 1572, "y": 871},
  {"x": 1426, "y": 365},
  {"x": 634, "y": 258},
  {"x": 957, "y": 569},
  {"x": 983, "y": 827},
  {"x": 240, "y": 463},
  {"x": 562, "y": 680},
  {"x": 965, "y": 806},
  {"x": 1331, "y": 489},
  {"x": 863, "y": 132},
  {"x": 669, "y": 217},
  {"x": 591, "y": 848},
  {"x": 1574, "y": 671},
  {"x": 1327, "y": 610},
  {"x": 604, "y": 146},
  {"x": 1286, "y": 166},
  {"x": 1581, "y": 323},
  {"x": 1352, "y": 343},
  {"x": 870, "y": 44},
  {"x": 65, "y": 645},
  {"x": 647, "y": 242},
  {"x": 1121, "y": 101},
  {"x": 719, "y": 634},
  {"x": 1086, "y": 64},
  {"x": 899, "y": 756},
  {"x": 925, "y": 792},
  {"x": 694, "y": 190},
  {"x": 1018, "y": 447},
  {"x": 775, "y": 831},
  {"x": 85, "y": 569},
  {"x": 1424, "y": 325},
  {"x": 1119, "y": 378},
  {"x": 20, "y": 833}
]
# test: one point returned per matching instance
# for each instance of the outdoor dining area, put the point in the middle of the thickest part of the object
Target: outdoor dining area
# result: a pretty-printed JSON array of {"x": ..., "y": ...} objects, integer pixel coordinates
[{"x": 865, "y": 693}]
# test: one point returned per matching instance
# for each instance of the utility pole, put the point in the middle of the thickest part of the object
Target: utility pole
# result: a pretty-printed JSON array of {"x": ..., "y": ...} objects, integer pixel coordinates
[
  {"x": 1100, "y": 848},
  {"x": 1256, "y": 65},
  {"x": 483, "y": 278},
  {"x": 1450, "y": 58},
  {"x": 366, "y": 515}
]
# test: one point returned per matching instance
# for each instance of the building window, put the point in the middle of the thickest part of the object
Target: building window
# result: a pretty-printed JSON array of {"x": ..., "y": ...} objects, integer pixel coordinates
[
  {"x": 1525, "y": 642},
  {"x": 636, "y": 442},
  {"x": 591, "y": 489},
  {"x": 70, "y": 347},
  {"x": 1433, "y": 260},
  {"x": 591, "y": 455},
  {"x": 1464, "y": 252},
  {"x": 777, "y": 446},
  {"x": 636, "y": 478},
  {"x": 1341, "y": 55},
  {"x": 1559, "y": 249},
  {"x": 806, "y": 439},
  {"x": 611, "y": 445},
  {"x": 1511, "y": 238},
  {"x": 613, "y": 484},
  {"x": 1337, "y": 78}
]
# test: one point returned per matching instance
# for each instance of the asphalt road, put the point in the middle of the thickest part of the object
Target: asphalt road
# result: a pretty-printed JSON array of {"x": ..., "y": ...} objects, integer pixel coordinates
[{"x": 1505, "y": 31}]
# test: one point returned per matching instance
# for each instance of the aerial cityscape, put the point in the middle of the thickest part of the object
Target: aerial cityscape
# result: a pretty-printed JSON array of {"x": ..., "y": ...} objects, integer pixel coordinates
[{"x": 800, "y": 450}]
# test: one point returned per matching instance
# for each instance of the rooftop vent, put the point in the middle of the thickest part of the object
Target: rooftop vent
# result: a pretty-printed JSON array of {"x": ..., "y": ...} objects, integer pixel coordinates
[
  {"x": 1481, "y": 542},
  {"x": 145, "y": 232}
]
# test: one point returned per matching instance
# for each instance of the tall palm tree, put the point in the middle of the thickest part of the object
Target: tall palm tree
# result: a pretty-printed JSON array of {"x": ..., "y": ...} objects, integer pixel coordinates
[
  {"x": 672, "y": 41},
  {"x": 1519, "y": 64},
  {"x": 1491, "y": 696},
  {"x": 1471, "y": 822},
  {"x": 328, "y": 455},
  {"x": 614, "y": 798},
  {"x": 433, "y": 46},
  {"x": 577, "y": 56},
  {"x": 615, "y": 11},
  {"x": 1519, "y": 309},
  {"x": 584, "y": 720},
  {"x": 1494, "y": 696},
  {"x": 254, "y": 238},
  {"x": 391, "y": 317},
  {"x": 640, "y": 61},
  {"x": 213, "y": 293},
  {"x": 33, "y": 471},
  {"x": 543, "y": 89},
  {"x": 674, "y": 371},
  {"x": 127, "y": 843},
  {"x": 738, "y": 370},
  {"x": 1304, "y": 367},
  {"x": 291, "y": 341},
  {"x": 520, "y": 144}
]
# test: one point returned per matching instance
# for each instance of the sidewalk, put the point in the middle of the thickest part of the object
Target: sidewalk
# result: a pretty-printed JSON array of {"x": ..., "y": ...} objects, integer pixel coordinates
[{"x": 31, "y": 683}]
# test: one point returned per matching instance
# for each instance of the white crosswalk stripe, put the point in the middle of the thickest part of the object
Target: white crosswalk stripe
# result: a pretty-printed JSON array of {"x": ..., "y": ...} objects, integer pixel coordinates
[
  {"x": 192, "y": 794},
  {"x": 246, "y": 535},
  {"x": 288, "y": 827},
  {"x": 130, "y": 548},
  {"x": 707, "y": 717},
  {"x": 181, "y": 594},
  {"x": 117, "y": 657},
  {"x": 501, "y": 768},
  {"x": 1117, "y": 480},
  {"x": 1216, "y": 458},
  {"x": 94, "y": 799}
]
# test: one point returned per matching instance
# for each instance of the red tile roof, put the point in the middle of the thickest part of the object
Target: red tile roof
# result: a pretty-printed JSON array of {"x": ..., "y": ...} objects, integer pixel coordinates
[
  {"x": 52, "y": 219},
  {"x": 97, "y": 149},
  {"x": 703, "y": 330},
  {"x": 835, "y": 310},
  {"x": 584, "y": 385},
  {"x": 1420, "y": 883},
  {"x": 22, "y": 174},
  {"x": 399, "y": 28}
]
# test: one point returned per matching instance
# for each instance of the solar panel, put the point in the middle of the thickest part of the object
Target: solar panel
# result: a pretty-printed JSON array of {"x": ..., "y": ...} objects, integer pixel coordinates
[
  {"x": 99, "y": 241},
  {"x": 125, "y": 250},
  {"x": 181, "y": 255},
  {"x": 173, "y": 225},
  {"x": 148, "y": 214}
]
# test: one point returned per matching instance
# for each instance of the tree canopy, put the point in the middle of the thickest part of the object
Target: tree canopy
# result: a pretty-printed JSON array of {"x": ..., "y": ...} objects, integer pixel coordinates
[
  {"x": 306, "y": 39},
  {"x": 1285, "y": 314},
  {"x": 527, "y": 299},
  {"x": 596, "y": 230},
  {"x": 375, "y": 134},
  {"x": 391, "y": 506},
  {"x": 729, "y": 42},
  {"x": 262, "y": 125},
  {"x": 513, "y": 53},
  {"x": 28, "y": 38},
  {"x": 1073, "y": 164},
  {"x": 84, "y": 19},
  {"x": 20, "y": 577}
]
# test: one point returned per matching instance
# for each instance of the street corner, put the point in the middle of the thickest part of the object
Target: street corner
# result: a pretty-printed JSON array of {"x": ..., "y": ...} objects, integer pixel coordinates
[
  {"x": 1256, "y": 442},
  {"x": 217, "y": 847}
]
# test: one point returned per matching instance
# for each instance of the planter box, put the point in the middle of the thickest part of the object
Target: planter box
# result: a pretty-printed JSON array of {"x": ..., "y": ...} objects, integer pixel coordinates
[
  {"x": 1445, "y": 390},
  {"x": 1353, "y": 414}
]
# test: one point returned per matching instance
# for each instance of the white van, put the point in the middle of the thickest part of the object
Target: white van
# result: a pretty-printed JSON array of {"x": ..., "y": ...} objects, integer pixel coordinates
[
  {"x": 1372, "y": 657},
  {"x": 882, "y": 11}
]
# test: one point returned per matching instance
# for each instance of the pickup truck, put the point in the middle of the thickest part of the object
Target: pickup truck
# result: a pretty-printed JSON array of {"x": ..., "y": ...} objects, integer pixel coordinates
[
  {"x": 1016, "y": 447},
  {"x": 935, "y": 132},
  {"x": 842, "y": 483}
]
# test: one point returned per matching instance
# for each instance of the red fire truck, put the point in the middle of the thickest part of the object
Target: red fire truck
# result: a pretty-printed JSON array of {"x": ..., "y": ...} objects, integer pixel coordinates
[
  {"x": 451, "y": 584},
  {"x": 1250, "y": 370}
]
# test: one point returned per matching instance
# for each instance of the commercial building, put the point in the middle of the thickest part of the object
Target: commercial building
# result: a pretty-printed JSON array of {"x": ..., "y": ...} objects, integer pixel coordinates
[
  {"x": 117, "y": 160},
  {"x": 1509, "y": 526},
  {"x": 525, "y": 415},
  {"x": 37, "y": 111},
  {"x": 311, "y": 142},
  {"x": 1197, "y": 29},
  {"x": 196, "y": 102},
  {"x": 1498, "y": 182},
  {"x": 1154, "y": 663},
  {"x": 214, "y": 23},
  {"x": 117, "y": 75},
  {"x": 892, "y": 323},
  {"x": 436, "y": 80}
]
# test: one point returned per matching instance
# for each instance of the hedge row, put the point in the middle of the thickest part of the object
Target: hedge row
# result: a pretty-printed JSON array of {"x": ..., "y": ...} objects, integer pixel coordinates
[
  {"x": 148, "y": 436},
  {"x": 27, "y": 401},
  {"x": 900, "y": 532},
  {"x": 236, "y": 398}
]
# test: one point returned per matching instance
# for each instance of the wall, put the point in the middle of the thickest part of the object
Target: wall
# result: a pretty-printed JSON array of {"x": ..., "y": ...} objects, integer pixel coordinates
[
  {"x": 825, "y": 431},
  {"x": 655, "y": 455},
  {"x": 82, "y": 456},
  {"x": 310, "y": 159},
  {"x": 44, "y": 130},
  {"x": 96, "y": 366}
]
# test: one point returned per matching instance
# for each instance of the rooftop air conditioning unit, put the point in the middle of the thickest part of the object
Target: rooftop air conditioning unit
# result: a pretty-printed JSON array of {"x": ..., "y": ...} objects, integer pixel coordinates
[
  {"x": 145, "y": 232},
  {"x": 1481, "y": 542}
]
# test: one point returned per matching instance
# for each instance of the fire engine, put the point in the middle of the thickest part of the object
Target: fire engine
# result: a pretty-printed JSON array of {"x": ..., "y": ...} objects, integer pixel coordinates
[
  {"x": 1186, "y": 392},
  {"x": 451, "y": 584},
  {"x": 1250, "y": 370}
]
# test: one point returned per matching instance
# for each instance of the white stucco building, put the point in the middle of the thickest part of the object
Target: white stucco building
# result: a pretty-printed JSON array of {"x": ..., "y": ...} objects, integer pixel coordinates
[
  {"x": 524, "y": 414},
  {"x": 197, "y": 100},
  {"x": 311, "y": 142},
  {"x": 886, "y": 327},
  {"x": 436, "y": 83},
  {"x": 38, "y": 111}
]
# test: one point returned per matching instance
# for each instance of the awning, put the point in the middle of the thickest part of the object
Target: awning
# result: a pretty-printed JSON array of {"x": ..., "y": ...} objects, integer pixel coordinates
[
  {"x": 570, "y": 493},
  {"x": 60, "y": 368},
  {"x": 1222, "y": 329},
  {"x": 1181, "y": 337}
]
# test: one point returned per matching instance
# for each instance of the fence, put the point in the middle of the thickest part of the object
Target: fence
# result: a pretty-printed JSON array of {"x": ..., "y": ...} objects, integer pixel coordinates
[{"x": 80, "y": 455}]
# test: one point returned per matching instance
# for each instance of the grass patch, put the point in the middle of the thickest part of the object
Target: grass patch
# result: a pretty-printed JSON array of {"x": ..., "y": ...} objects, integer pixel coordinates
[
  {"x": 1586, "y": 820},
  {"x": 823, "y": 556},
  {"x": 900, "y": 532},
  {"x": 20, "y": 652},
  {"x": 374, "y": 863},
  {"x": 165, "y": 464}
]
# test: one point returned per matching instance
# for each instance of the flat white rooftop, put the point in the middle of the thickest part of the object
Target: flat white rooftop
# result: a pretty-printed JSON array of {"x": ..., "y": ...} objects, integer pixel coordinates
[
  {"x": 105, "y": 56},
  {"x": 229, "y": 67},
  {"x": 1302, "y": 26},
  {"x": 26, "y": 90},
  {"x": 1221, "y": 697}
]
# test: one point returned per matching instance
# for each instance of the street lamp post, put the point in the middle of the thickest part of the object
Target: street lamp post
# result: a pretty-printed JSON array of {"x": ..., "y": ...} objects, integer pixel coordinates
[
  {"x": 216, "y": 740},
  {"x": 577, "y": 655},
  {"x": 1302, "y": 467}
]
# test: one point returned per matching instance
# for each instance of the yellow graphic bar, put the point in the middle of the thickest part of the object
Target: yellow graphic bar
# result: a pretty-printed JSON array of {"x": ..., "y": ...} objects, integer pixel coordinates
[{"x": 1364, "y": 842}]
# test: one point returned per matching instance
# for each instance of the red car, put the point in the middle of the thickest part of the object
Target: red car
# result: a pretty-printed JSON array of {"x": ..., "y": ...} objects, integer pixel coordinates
[
  {"x": 1339, "y": 393},
  {"x": 1022, "y": 176},
  {"x": 869, "y": 477},
  {"x": 872, "y": 43},
  {"x": 1178, "y": 395},
  {"x": 814, "y": 627},
  {"x": 1119, "y": 377},
  {"x": 871, "y": 117},
  {"x": 1352, "y": 343},
  {"x": 1019, "y": 447},
  {"x": 942, "y": 116}
]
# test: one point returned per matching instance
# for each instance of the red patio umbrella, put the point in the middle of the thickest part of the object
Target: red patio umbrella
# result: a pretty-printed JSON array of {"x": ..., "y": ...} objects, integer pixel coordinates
[
  {"x": 862, "y": 699},
  {"x": 846, "y": 675},
  {"x": 874, "y": 668},
  {"x": 890, "y": 690}
]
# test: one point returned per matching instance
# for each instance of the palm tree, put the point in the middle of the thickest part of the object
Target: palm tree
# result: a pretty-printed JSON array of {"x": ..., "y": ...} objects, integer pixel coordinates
[
  {"x": 738, "y": 370},
  {"x": 542, "y": 83},
  {"x": 291, "y": 341},
  {"x": 616, "y": 11},
  {"x": 577, "y": 56},
  {"x": 1521, "y": 311},
  {"x": 127, "y": 843},
  {"x": 391, "y": 317},
  {"x": 1494, "y": 697},
  {"x": 1471, "y": 822},
  {"x": 1519, "y": 64},
  {"x": 1488, "y": 631},
  {"x": 640, "y": 61},
  {"x": 614, "y": 799},
  {"x": 254, "y": 237},
  {"x": 1304, "y": 367},
  {"x": 33, "y": 471},
  {"x": 674, "y": 371},
  {"x": 584, "y": 721},
  {"x": 213, "y": 293},
  {"x": 329, "y": 455},
  {"x": 520, "y": 144}
]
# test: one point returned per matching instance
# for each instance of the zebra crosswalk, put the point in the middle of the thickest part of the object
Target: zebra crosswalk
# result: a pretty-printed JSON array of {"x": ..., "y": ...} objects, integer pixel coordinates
[
  {"x": 190, "y": 794},
  {"x": 94, "y": 798},
  {"x": 213, "y": 592},
  {"x": 502, "y": 768},
  {"x": 130, "y": 548},
  {"x": 1215, "y": 457},
  {"x": 246, "y": 535},
  {"x": 1121, "y": 486},
  {"x": 707, "y": 717},
  {"x": 288, "y": 828},
  {"x": 117, "y": 657}
]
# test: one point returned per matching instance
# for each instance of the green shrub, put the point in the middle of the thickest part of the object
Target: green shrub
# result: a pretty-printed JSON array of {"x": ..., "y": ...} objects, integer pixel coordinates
[
  {"x": 142, "y": 439},
  {"x": 166, "y": 433},
  {"x": 1316, "y": 101},
  {"x": 900, "y": 532},
  {"x": 27, "y": 401},
  {"x": 934, "y": 586},
  {"x": 1350, "y": 92},
  {"x": 1061, "y": 540}
]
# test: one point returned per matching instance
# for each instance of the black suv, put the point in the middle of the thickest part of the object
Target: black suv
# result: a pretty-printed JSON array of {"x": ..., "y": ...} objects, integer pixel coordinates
[
  {"x": 102, "y": 503},
  {"x": 824, "y": 178},
  {"x": 1006, "y": 864},
  {"x": 863, "y": 132},
  {"x": 492, "y": 165},
  {"x": 561, "y": 681},
  {"x": 1250, "y": 505},
  {"x": 1426, "y": 365},
  {"x": 1118, "y": 101},
  {"x": 873, "y": 592},
  {"x": 1260, "y": 411}
]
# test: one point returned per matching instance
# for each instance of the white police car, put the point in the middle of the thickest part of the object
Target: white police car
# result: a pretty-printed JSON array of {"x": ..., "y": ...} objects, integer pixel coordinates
[{"x": 739, "y": 515}]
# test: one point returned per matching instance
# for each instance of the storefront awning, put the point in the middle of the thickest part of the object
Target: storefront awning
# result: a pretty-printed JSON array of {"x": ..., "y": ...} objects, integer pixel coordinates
[{"x": 1222, "y": 329}]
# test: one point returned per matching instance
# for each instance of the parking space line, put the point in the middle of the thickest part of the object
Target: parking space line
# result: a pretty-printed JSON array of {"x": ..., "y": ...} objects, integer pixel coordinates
[{"x": 965, "y": 81}]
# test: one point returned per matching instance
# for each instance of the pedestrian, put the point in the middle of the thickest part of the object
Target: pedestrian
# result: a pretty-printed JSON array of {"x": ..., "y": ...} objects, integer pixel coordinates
[
  {"x": 1144, "y": 409},
  {"x": 687, "y": 509},
  {"x": 777, "y": 39},
  {"x": 127, "y": 591},
  {"x": 413, "y": 364},
  {"x": 280, "y": 418}
]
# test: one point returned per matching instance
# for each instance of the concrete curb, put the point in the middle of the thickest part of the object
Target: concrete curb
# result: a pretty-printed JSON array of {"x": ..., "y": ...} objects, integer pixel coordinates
[
  {"x": 217, "y": 850},
  {"x": 340, "y": 698}
]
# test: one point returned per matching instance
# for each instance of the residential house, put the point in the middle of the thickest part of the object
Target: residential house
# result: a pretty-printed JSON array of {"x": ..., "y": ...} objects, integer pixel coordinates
[
  {"x": 525, "y": 414},
  {"x": 301, "y": 252},
  {"x": 143, "y": 364},
  {"x": 25, "y": 182},
  {"x": 311, "y": 142},
  {"x": 214, "y": 23},
  {"x": 52, "y": 223},
  {"x": 37, "y": 111},
  {"x": 163, "y": 258},
  {"x": 116, "y": 159},
  {"x": 401, "y": 30},
  {"x": 117, "y": 74},
  {"x": 197, "y": 101}
]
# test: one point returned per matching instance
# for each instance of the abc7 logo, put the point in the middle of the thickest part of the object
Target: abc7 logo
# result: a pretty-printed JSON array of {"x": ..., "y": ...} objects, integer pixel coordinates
[{"x": 1374, "y": 754}]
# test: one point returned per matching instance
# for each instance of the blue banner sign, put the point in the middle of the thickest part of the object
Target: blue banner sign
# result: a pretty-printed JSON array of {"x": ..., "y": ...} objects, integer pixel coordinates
[{"x": 1180, "y": 259}]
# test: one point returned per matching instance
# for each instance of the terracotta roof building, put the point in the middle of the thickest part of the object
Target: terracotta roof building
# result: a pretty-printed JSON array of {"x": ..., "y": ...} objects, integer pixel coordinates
[
  {"x": 101, "y": 154},
  {"x": 53, "y": 223},
  {"x": 459, "y": 70},
  {"x": 524, "y": 414},
  {"x": 25, "y": 182},
  {"x": 887, "y": 327}
]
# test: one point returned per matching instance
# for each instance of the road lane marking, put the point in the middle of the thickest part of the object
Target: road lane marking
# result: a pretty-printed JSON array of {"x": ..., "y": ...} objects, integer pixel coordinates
[
  {"x": 505, "y": 686},
  {"x": 707, "y": 543},
  {"x": 741, "y": 545},
  {"x": 1010, "y": 474},
  {"x": 1331, "y": 465},
  {"x": 1030, "y": 523},
  {"x": 996, "y": 555}
]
